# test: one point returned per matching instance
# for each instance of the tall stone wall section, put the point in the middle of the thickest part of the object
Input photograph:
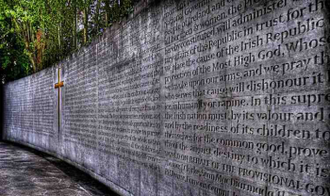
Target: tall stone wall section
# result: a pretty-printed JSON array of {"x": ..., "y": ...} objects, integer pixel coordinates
[
  {"x": 211, "y": 97},
  {"x": 29, "y": 110}
]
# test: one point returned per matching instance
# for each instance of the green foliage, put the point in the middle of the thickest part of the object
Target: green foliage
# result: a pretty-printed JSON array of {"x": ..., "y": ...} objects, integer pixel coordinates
[
  {"x": 35, "y": 34},
  {"x": 13, "y": 61}
]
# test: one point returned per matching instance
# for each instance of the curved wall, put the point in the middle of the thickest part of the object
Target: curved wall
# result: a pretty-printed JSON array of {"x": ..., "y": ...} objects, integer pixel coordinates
[{"x": 212, "y": 97}]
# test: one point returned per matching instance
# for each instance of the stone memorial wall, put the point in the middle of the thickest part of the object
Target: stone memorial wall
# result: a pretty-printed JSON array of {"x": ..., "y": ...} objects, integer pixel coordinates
[
  {"x": 191, "y": 97},
  {"x": 29, "y": 110}
]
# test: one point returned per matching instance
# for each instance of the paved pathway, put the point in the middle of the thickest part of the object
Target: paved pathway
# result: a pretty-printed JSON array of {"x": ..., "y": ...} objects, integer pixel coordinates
[{"x": 26, "y": 172}]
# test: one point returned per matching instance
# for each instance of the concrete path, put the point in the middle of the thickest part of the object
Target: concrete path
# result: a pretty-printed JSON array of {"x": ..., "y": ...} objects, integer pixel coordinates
[{"x": 26, "y": 172}]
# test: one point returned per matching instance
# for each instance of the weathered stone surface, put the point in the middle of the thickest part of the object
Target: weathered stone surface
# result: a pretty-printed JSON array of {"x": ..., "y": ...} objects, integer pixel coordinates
[
  {"x": 28, "y": 172},
  {"x": 1, "y": 109},
  {"x": 208, "y": 97}
]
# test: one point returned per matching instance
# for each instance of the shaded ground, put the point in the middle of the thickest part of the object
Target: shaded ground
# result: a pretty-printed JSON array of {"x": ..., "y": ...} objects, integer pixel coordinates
[{"x": 24, "y": 171}]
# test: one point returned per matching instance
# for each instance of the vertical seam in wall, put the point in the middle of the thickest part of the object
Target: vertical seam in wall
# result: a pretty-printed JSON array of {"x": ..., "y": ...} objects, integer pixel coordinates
[{"x": 97, "y": 94}]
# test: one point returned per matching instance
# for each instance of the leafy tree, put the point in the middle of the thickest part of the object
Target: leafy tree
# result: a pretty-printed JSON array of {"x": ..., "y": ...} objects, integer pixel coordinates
[
  {"x": 35, "y": 34},
  {"x": 14, "y": 63}
]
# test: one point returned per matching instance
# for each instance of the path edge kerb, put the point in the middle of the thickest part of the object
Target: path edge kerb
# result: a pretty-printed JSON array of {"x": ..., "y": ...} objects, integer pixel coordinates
[{"x": 109, "y": 184}]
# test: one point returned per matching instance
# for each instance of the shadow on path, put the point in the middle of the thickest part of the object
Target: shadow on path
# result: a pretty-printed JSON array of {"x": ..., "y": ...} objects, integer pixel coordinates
[{"x": 25, "y": 171}]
